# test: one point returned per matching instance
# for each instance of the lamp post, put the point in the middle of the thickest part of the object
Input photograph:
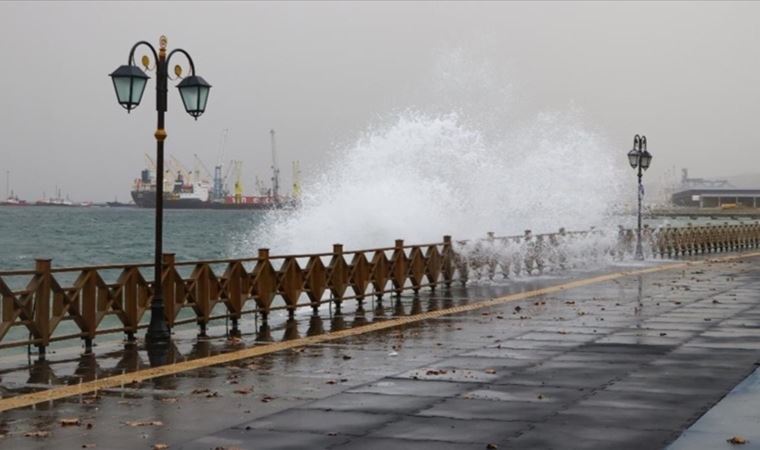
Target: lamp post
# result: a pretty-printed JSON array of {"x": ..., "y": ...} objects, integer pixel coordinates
[
  {"x": 129, "y": 83},
  {"x": 639, "y": 158}
]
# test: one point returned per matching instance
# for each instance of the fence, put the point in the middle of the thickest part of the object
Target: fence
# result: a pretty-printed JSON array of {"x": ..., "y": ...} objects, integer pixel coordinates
[{"x": 114, "y": 298}]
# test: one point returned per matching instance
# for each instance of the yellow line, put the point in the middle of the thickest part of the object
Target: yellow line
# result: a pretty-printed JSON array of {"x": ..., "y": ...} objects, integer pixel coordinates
[{"x": 25, "y": 400}]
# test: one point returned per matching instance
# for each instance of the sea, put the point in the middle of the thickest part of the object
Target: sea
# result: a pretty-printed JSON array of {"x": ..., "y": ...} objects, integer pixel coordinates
[
  {"x": 74, "y": 236},
  {"x": 82, "y": 236}
]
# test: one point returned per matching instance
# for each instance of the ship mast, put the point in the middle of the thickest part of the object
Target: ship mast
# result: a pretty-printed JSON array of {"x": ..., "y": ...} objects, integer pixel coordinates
[{"x": 275, "y": 171}]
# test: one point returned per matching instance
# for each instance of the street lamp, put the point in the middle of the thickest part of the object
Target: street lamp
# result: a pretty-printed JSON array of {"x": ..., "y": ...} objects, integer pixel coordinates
[
  {"x": 639, "y": 158},
  {"x": 129, "y": 83}
]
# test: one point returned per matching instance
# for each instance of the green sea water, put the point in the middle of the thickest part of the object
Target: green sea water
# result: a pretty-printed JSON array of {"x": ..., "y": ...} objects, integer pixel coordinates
[{"x": 96, "y": 235}]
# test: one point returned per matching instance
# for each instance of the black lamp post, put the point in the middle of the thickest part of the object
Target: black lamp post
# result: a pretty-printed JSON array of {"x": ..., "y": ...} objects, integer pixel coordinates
[
  {"x": 129, "y": 82},
  {"x": 639, "y": 158}
]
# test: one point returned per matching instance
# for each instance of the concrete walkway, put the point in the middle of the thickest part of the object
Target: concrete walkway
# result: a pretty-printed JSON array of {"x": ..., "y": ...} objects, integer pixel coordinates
[{"x": 629, "y": 363}]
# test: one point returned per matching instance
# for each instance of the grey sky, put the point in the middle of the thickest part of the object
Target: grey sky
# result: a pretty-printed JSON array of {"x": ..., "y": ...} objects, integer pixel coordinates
[{"x": 685, "y": 74}]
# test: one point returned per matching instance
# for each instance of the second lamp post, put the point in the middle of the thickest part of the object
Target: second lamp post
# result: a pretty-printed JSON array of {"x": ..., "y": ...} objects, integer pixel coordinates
[
  {"x": 639, "y": 158},
  {"x": 129, "y": 82}
]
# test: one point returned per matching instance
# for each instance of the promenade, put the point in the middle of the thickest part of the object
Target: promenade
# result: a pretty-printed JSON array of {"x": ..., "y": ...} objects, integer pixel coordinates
[{"x": 628, "y": 357}]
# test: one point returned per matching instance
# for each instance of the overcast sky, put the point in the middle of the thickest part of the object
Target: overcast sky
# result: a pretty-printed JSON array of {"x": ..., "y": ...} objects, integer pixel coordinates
[{"x": 685, "y": 74}]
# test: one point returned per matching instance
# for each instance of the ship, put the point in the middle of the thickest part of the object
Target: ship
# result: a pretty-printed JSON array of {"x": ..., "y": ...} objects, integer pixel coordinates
[
  {"x": 60, "y": 201},
  {"x": 13, "y": 200},
  {"x": 188, "y": 189}
]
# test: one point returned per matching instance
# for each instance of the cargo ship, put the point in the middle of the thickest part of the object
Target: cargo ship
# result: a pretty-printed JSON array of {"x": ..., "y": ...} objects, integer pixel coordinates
[
  {"x": 198, "y": 195},
  {"x": 187, "y": 189}
]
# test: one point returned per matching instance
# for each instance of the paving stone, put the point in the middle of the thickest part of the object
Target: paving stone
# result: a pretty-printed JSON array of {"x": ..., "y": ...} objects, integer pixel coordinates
[
  {"x": 519, "y": 393},
  {"x": 375, "y": 403},
  {"x": 464, "y": 408},
  {"x": 365, "y": 443},
  {"x": 455, "y": 375},
  {"x": 451, "y": 430},
  {"x": 551, "y": 436},
  {"x": 319, "y": 421},
  {"x": 633, "y": 418},
  {"x": 263, "y": 439},
  {"x": 401, "y": 386}
]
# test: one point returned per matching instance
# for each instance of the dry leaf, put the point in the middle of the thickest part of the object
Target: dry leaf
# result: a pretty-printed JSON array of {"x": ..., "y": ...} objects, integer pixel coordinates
[
  {"x": 244, "y": 391},
  {"x": 266, "y": 399},
  {"x": 169, "y": 400},
  {"x": 39, "y": 434},
  {"x": 492, "y": 446},
  {"x": 70, "y": 421},
  {"x": 144, "y": 423},
  {"x": 737, "y": 440},
  {"x": 200, "y": 391},
  {"x": 491, "y": 371},
  {"x": 160, "y": 447}
]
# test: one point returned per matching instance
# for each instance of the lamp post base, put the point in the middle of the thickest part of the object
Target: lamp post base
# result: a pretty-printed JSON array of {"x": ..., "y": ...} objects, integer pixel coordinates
[{"x": 158, "y": 331}]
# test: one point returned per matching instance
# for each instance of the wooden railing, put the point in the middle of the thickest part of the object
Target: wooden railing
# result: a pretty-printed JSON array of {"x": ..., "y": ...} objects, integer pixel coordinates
[
  {"x": 114, "y": 298},
  {"x": 242, "y": 285}
]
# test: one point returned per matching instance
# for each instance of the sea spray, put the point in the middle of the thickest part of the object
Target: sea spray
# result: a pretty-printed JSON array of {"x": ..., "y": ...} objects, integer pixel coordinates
[{"x": 422, "y": 176}]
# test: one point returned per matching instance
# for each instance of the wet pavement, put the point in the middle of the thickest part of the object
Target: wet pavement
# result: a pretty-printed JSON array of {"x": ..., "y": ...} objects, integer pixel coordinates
[{"x": 627, "y": 363}]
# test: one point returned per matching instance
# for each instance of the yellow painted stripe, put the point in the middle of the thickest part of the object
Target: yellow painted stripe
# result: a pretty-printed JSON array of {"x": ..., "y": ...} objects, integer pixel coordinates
[{"x": 26, "y": 400}]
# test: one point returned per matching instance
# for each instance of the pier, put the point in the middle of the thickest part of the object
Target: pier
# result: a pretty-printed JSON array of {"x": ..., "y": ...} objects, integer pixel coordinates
[{"x": 435, "y": 356}]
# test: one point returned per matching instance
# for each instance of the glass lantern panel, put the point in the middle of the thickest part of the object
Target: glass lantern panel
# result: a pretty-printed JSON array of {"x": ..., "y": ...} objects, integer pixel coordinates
[
  {"x": 190, "y": 98},
  {"x": 122, "y": 88},
  {"x": 204, "y": 90},
  {"x": 138, "y": 86},
  {"x": 633, "y": 158}
]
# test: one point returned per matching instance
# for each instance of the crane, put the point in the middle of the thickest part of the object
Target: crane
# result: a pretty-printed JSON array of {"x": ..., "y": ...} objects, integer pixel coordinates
[
  {"x": 238, "y": 181},
  {"x": 218, "y": 190},
  {"x": 296, "y": 180},
  {"x": 181, "y": 170},
  {"x": 275, "y": 170},
  {"x": 198, "y": 162},
  {"x": 149, "y": 162}
]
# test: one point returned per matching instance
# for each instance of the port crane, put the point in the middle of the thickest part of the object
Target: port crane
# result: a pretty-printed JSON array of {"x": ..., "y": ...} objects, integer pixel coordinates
[
  {"x": 296, "y": 180},
  {"x": 198, "y": 163},
  {"x": 217, "y": 192},
  {"x": 275, "y": 170}
]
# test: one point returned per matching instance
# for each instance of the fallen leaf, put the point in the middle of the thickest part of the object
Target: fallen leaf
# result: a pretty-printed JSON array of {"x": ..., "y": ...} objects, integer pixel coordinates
[
  {"x": 331, "y": 382},
  {"x": 490, "y": 371},
  {"x": 70, "y": 421},
  {"x": 144, "y": 423},
  {"x": 244, "y": 391},
  {"x": 160, "y": 447},
  {"x": 346, "y": 357},
  {"x": 492, "y": 446},
  {"x": 200, "y": 391},
  {"x": 737, "y": 440},
  {"x": 39, "y": 434},
  {"x": 266, "y": 399},
  {"x": 169, "y": 400}
]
